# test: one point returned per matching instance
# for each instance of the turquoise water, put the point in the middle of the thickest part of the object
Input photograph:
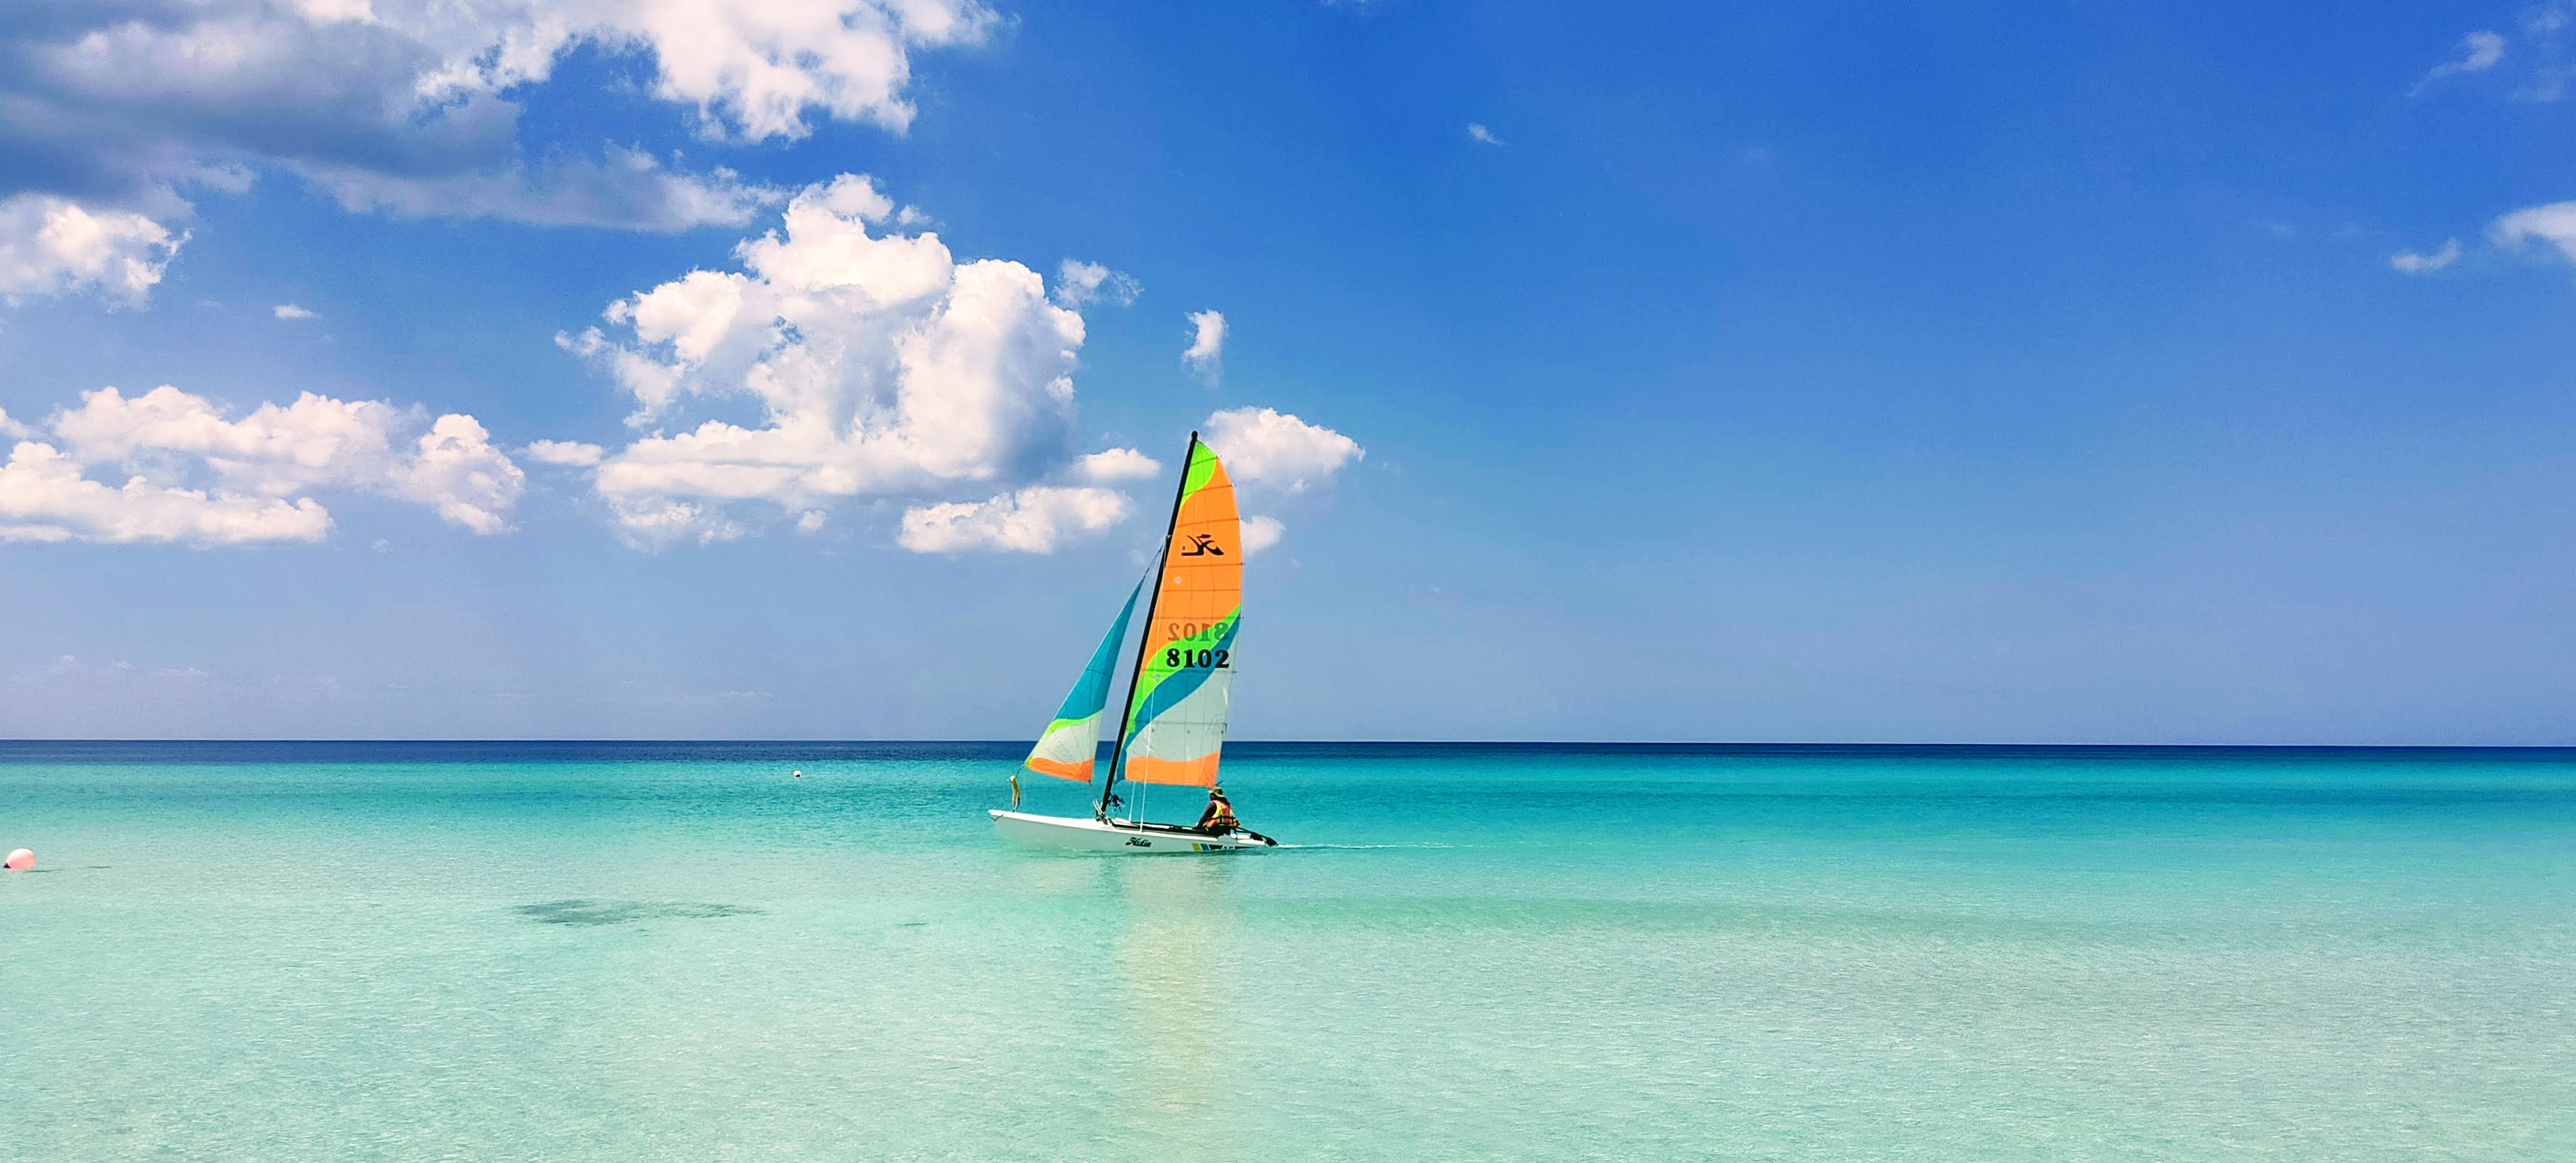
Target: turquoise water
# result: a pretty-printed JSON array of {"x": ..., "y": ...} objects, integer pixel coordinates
[{"x": 482, "y": 952}]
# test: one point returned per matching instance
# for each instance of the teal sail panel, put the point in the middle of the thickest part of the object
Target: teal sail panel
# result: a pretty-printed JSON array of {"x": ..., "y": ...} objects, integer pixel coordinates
[{"x": 1069, "y": 744}]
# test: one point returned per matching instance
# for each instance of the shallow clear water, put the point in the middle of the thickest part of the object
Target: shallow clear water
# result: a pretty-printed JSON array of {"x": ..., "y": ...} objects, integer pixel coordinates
[{"x": 369, "y": 951}]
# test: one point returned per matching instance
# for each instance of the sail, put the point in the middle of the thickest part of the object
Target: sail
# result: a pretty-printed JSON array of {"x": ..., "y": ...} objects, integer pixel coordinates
[
  {"x": 1185, "y": 676},
  {"x": 1070, "y": 743}
]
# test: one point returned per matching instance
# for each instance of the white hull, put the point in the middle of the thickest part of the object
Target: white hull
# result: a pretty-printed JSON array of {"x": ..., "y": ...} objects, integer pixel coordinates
[{"x": 1093, "y": 835}]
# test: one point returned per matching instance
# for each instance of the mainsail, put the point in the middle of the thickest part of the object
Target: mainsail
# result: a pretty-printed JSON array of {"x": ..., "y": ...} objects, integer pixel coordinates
[
  {"x": 1185, "y": 672},
  {"x": 1073, "y": 739}
]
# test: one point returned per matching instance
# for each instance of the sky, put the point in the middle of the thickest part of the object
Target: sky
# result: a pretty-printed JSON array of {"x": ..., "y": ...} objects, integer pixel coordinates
[{"x": 2095, "y": 373}]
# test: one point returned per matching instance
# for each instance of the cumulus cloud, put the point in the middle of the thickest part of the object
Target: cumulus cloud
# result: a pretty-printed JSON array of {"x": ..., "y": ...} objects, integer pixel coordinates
[
  {"x": 291, "y": 311},
  {"x": 195, "y": 477},
  {"x": 2479, "y": 51},
  {"x": 414, "y": 106},
  {"x": 879, "y": 365},
  {"x": 1032, "y": 520},
  {"x": 273, "y": 451},
  {"x": 1480, "y": 134},
  {"x": 754, "y": 67},
  {"x": 54, "y": 246},
  {"x": 458, "y": 472},
  {"x": 2554, "y": 224},
  {"x": 2415, "y": 264},
  {"x": 1269, "y": 451},
  {"x": 1079, "y": 284},
  {"x": 1116, "y": 464},
  {"x": 1207, "y": 345},
  {"x": 572, "y": 453},
  {"x": 1266, "y": 448},
  {"x": 44, "y": 497},
  {"x": 1261, "y": 533}
]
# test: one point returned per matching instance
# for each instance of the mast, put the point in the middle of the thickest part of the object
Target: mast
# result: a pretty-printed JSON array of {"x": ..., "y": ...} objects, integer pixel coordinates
[{"x": 1162, "y": 559}]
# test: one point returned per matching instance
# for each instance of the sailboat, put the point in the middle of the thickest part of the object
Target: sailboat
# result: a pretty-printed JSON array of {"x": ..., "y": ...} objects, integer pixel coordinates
[{"x": 1173, "y": 726}]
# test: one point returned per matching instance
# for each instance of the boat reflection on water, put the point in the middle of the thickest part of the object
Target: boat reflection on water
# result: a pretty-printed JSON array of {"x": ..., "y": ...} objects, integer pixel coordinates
[
  {"x": 1180, "y": 913},
  {"x": 1057, "y": 876}
]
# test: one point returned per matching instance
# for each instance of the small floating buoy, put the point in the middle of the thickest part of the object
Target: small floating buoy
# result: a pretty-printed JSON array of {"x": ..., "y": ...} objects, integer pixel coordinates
[
  {"x": 21, "y": 860},
  {"x": 800, "y": 775}
]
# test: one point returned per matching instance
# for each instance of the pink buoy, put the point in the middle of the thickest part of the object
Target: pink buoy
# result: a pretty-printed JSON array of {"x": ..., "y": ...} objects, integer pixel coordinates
[{"x": 21, "y": 860}]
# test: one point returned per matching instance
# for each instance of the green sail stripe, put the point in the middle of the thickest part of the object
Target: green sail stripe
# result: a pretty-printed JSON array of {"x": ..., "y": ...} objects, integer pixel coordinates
[
  {"x": 1154, "y": 672},
  {"x": 1061, "y": 724},
  {"x": 1202, "y": 466},
  {"x": 1183, "y": 681}
]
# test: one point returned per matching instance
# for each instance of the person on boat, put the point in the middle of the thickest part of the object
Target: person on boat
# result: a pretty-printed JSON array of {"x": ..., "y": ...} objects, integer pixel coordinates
[{"x": 1218, "y": 819}]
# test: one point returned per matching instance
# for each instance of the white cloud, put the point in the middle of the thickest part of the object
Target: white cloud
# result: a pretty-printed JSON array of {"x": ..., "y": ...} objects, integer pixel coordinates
[
  {"x": 1032, "y": 520},
  {"x": 629, "y": 190},
  {"x": 2416, "y": 264},
  {"x": 291, "y": 311},
  {"x": 44, "y": 497},
  {"x": 1079, "y": 284},
  {"x": 9, "y": 427},
  {"x": 1116, "y": 464},
  {"x": 458, "y": 472},
  {"x": 414, "y": 105},
  {"x": 2479, "y": 51},
  {"x": 1267, "y": 448},
  {"x": 669, "y": 521},
  {"x": 2554, "y": 224},
  {"x": 53, "y": 246},
  {"x": 271, "y": 452},
  {"x": 2484, "y": 50},
  {"x": 198, "y": 477},
  {"x": 1207, "y": 345},
  {"x": 880, "y": 367},
  {"x": 754, "y": 67},
  {"x": 564, "y": 452},
  {"x": 1261, "y": 533},
  {"x": 1479, "y": 133},
  {"x": 334, "y": 11}
]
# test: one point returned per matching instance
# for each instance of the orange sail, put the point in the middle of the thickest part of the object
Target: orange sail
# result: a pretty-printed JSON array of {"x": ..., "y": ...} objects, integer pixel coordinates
[{"x": 1185, "y": 675}]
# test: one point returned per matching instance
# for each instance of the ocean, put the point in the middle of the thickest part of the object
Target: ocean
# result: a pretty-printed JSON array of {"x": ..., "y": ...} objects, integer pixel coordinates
[{"x": 573, "y": 951}]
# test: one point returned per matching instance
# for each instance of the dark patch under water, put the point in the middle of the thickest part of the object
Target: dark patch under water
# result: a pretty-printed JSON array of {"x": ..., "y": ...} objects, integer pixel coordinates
[{"x": 582, "y": 911}]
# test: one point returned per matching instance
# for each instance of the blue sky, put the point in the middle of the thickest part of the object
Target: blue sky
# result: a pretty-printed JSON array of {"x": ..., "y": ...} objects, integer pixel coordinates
[{"x": 2105, "y": 373}]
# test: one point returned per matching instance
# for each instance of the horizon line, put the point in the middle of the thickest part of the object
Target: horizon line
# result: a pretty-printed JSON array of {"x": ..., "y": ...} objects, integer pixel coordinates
[{"x": 1742, "y": 744}]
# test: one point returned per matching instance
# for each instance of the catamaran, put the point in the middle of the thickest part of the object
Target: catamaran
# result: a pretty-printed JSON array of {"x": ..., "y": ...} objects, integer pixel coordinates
[{"x": 1177, "y": 696}]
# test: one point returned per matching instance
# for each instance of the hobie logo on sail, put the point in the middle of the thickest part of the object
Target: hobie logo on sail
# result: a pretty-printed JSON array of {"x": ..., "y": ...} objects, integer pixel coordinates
[{"x": 1202, "y": 545}]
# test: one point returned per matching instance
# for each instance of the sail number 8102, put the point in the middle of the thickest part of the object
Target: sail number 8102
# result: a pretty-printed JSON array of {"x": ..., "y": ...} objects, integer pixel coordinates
[{"x": 1177, "y": 659}]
